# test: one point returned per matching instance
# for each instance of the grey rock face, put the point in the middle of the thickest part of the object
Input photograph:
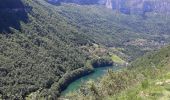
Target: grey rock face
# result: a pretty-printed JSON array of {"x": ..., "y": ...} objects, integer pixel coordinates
[{"x": 126, "y": 6}]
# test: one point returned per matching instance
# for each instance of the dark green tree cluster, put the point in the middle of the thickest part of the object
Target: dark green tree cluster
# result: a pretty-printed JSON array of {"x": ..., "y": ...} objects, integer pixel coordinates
[
  {"x": 39, "y": 54},
  {"x": 45, "y": 44},
  {"x": 102, "y": 62}
]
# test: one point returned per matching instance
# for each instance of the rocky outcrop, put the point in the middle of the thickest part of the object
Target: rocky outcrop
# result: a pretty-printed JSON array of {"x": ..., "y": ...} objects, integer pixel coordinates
[
  {"x": 126, "y": 6},
  {"x": 109, "y": 4}
]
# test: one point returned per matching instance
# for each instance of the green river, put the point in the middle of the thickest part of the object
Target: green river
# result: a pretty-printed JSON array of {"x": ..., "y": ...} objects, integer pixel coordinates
[{"x": 94, "y": 76}]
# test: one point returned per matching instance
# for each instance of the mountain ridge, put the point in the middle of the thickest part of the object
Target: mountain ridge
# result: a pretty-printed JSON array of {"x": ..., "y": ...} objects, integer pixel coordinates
[
  {"x": 57, "y": 40},
  {"x": 127, "y": 7}
]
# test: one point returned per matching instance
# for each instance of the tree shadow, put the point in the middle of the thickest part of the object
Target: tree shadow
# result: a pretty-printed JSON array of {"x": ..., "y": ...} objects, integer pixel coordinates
[{"x": 12, "y": 12}]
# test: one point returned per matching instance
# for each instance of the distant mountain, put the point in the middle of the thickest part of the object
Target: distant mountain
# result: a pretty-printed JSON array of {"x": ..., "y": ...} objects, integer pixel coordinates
[
  {"x": 143, "y": 6},
  {"x": 126, "y": 6},
  {"x": 50, "y": 45},
  {"x": 81, "y": 2}
]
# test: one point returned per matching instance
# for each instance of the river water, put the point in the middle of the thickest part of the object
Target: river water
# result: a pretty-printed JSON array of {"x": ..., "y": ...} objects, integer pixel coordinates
[{"x": 99, "y": 72}]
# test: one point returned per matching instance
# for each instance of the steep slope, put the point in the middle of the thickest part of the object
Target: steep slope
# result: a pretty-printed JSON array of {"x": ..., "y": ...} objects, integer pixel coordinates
[
  {"x": 14, "y": 8},
  {"x": 147, "y": 78},
  {"x": 44, "y": 49},
  {"x": 125, "y": 6},
  {"x": 37, "y": 56},
  {"x": 155, "y": 68},
  {"x": 155, "y": 59},
  {"x": 118, "y": 30},
  {"x": 106, "y": 27}
]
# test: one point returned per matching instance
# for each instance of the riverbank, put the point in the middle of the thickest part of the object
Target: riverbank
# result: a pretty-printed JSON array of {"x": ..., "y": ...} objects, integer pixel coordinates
[
  {"x": 71, "y": 77},
  {"x": 147, "y": 78},
  {"x": 97, "y": 74},
  {"x": 57, "y": 87}
]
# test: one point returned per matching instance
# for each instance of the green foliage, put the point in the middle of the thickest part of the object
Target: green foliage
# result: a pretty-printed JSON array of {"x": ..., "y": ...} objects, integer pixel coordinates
[
  {"x": 139, "y": 82},
  {"x": 39, "y": 55},
  {"x": 145, "y": 84},
  {"x": 158, "y": 58},
  {"x": 117, "y": 59},
  {"x": 46, "y": 49},
  {"x": 102, "y": 62}
]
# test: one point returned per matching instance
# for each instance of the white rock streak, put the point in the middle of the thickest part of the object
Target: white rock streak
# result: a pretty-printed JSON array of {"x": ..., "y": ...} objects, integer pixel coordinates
[{"x": 109, "y": 4}]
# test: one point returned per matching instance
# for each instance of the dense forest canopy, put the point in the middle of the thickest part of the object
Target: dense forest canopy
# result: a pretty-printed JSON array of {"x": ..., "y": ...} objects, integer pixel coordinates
[{"x": 51, "y": 45}]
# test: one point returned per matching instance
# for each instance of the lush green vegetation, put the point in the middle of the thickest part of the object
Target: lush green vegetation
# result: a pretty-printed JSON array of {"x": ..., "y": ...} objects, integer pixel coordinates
[
  {"x": 37, "y": 56},
  {"x": 43, "y": 47},
  {"x": 146, "y": 79},
  {"x": 108, "y": 28},
  {"x": 102, "y": 62},
  {"x": 149, "y": 89},
  {"x": 117, "y": 59}
]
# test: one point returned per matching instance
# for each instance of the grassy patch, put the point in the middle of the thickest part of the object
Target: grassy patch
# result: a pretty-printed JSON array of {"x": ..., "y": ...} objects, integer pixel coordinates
[{"x": 117, "y": 59}]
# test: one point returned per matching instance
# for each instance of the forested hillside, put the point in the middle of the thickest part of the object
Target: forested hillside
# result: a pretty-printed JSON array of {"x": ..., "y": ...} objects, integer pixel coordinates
[
  {"x": 103, "y": 26},
  {"x": 43, "y": 47},
  {"x": 137, "y": 7},
  {"x": 39, "y": 54},
  {"x": 147, "y": 78}
]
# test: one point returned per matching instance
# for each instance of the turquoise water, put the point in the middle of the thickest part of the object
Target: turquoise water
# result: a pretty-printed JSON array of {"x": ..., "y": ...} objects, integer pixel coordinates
[{"x": 94, "y": 76}]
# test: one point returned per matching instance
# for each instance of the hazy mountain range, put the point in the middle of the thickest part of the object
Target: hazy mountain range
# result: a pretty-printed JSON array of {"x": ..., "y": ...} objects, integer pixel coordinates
[
  {"x": 125, "y": 6},
  {"x": 43, "y": 47}
]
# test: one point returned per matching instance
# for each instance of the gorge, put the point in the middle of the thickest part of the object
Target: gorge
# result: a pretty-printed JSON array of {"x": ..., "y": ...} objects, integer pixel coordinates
[{"x": 47, "y": 44}]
